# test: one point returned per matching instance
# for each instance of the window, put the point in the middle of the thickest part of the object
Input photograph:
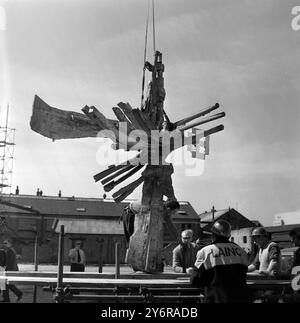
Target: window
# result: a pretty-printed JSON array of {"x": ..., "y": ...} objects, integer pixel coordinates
[
  {"x": 232, "y": 239},
  {"x": 244, "y": 239},
  {"x": 80, "y": 209}
]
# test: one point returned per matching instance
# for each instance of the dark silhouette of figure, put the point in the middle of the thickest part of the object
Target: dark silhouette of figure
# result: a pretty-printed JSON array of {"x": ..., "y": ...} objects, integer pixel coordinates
[{"x": 10, "y": 265}]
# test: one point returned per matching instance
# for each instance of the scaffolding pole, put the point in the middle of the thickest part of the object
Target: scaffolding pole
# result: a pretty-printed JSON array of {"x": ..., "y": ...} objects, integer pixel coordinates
[{"x": 7, "y": 143}]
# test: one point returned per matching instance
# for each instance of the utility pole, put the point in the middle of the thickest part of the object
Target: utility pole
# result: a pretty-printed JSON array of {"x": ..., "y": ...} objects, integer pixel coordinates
[{"x": 35, "y": 265}]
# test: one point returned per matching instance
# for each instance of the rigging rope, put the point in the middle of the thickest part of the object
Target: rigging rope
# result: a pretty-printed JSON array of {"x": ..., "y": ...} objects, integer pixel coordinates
[
  {"x": 153, "y": 23},
  {"x": 145, "y": 53},
  {"x": 145, "y": 49}
]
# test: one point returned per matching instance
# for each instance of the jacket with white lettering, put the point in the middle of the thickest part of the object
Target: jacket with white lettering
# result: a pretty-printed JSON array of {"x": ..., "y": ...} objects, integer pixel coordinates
[{"x": 222, "y": 269}]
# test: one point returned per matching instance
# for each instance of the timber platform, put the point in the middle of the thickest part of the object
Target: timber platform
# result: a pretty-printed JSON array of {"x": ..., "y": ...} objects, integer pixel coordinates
[{"x": 140, "y": 287}]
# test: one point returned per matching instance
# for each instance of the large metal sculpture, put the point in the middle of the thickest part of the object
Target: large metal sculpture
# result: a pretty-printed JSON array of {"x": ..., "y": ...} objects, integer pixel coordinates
[{"x": 150, "y": 126}]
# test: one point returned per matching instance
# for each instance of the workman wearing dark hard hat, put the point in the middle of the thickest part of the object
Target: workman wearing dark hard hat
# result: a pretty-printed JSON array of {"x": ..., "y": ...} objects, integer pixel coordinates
[
  {"x": 295, "y": 239},
  {"x": 267, "y": 260},
  {"x": 221, "y": 268}
]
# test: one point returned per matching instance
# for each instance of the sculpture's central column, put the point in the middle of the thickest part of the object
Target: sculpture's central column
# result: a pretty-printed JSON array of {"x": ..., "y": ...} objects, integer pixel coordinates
[{"x": 145, "y": 246}]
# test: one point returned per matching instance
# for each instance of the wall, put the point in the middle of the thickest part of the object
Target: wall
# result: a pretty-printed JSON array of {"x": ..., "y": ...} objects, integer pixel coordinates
[
  {"x": 23, "y": 232},
  {"x": 240, "y": 235}
]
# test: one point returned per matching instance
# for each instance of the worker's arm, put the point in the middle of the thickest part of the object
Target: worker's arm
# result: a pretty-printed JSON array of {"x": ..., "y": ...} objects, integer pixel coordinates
[
  {"x": 274, "y": 254},
  {"x": 199, "y": 275},
  {"x": 271, "y": 268},
  {"x": 177, "y": 265},
  {"x": 72, "y": 255},
  {"x": 254, "y": 265}
]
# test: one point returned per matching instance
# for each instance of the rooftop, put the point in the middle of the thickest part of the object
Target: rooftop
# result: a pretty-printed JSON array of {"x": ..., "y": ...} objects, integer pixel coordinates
[
  {"x": 73, "y": 207},
  {"x": 236, "y": 219}
]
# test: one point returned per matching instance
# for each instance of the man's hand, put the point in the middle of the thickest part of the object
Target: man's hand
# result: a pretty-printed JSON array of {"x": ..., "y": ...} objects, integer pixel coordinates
[
  {"x": 190, "y": 270},
  {"x": 265, "y": 272},
  {"x": 251, "y": 268}
]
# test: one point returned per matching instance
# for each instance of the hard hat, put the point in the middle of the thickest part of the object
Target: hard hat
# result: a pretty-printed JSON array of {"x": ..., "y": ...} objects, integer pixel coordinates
[
  {"x": 260, "y": 231},
  {"x": 221, "y": 228}
]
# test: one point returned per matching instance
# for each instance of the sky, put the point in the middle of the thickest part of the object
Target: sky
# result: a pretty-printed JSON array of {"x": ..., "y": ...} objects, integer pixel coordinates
[{"x": 243, "y": 54}]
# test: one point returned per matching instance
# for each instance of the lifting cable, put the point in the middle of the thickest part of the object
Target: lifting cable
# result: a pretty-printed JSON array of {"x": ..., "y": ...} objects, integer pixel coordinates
[
  {"x": 145, "y": 49},
  {"x": 153, "y": 25}
]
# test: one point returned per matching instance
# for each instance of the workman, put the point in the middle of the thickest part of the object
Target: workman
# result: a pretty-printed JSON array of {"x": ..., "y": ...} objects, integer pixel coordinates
[
  {"x": 221, "y": 268},
  {"x": 295, "y": 239},
  {"x": 267, "y": 260},
  {"x": 184, "y": 255}
]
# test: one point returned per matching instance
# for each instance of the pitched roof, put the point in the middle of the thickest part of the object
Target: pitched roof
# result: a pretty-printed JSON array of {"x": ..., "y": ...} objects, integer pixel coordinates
[
  {"x": 77, "y": 207},
  {"x": 236, "y": 219},
  {"x": 208, "y": 216}
]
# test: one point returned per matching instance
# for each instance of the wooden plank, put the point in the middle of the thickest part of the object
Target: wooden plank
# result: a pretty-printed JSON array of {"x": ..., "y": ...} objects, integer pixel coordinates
[
  {"x": 113, "y": 168},
  {"x": 127, "y": 110},
  {"x": 203, "y": 121},
  {"x": 123, "y": 118},
  {"x": 116, "y": 174},
  {"x": 197, "y": 115},
  {"x": 111, "y": 185},
  {"x": 131, "y": 283},
  {"x": 120, "y": 195},
  {"x": 60, "y": 124},
  {"x": 108, "y": 171},
  {"x": 144, "y": 126},
  {"x": 138, "y": 298},
  {"x": 213, "y": 130},
  {"x": 145, "y": 119},
  {"x": 129, "y": 187},
  {"x": 109, "y": 129},
  {"x": 43, "y": 281}
]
